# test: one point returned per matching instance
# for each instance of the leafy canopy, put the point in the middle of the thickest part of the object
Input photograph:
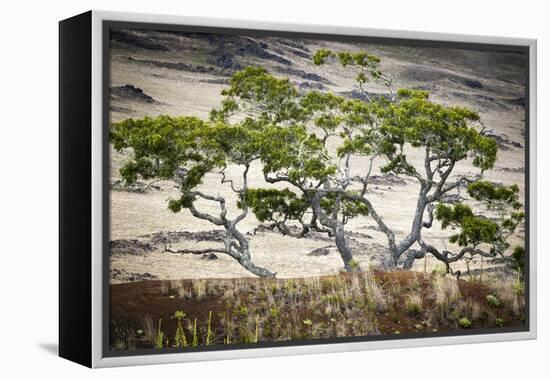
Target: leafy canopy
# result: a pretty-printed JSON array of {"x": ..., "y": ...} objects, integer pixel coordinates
[
  {"x": 444, "y": 130},
  {"x": 183, "y": 149},
  {"x": 275, "y": 204},
  {"x": 263, "y": 97},
  {"x": 476, "y": 229}
]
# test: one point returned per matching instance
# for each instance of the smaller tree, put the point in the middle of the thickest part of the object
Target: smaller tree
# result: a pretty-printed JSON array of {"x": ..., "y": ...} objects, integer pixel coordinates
[
  {"x": 184, "y": 150},
  {"x": 477, "y": 234}
]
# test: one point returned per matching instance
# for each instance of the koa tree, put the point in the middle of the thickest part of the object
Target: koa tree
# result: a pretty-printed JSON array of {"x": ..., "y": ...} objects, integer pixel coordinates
[
  {"x": 184, "y": 150},
  {"x": 318, "y": 151}
]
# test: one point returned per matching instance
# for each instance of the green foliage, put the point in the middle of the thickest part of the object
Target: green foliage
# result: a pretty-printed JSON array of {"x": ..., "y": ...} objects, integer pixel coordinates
[
  {"x": 440, "y": 270},
  {"x": 275, "y": 204},
  {"x": 473, "y": 230},
  {"x": 320, "y": 56},
  {"x": 183, "y": 149},
  {"x": 353, "y": 264},
  {"x": 159, "y": 145},
  {"x": 184, "y": 202},
  {"x": 348, "y": 208},
  {"x": 295, "y": 151},
  {"x": 195, "y": 334},
  {"x": 454, "y": 215},
  {"x": 495, "y": 196},
  {"x": 179, "y": 315},
  {"x": 499, "y": 322},
  {"x": 180, "y": 340},
  {"x": 261, "y": 95},
  {"x": 464, "y": 322},
  {"x": 368, "y": 63},
  {"x": 519, "y": 259},
  {"x": 445, "y": 131},
  {"x": 492, "y": 300},
  {"x": 413, "y": 308},
  {"x": 159, "y": 341},
  {"x": 209, "y": 333}
]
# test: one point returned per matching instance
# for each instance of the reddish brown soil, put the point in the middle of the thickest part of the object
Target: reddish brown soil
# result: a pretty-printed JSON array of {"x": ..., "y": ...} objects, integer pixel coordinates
[{"x": 132, "y": 302}]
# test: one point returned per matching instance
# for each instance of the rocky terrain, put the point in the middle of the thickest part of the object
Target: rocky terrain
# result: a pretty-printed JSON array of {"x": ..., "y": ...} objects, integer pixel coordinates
[{"x": 178, "y": 73}]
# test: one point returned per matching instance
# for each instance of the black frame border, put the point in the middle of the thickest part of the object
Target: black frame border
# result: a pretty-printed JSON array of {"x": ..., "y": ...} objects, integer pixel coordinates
[{"x": 75, "y": 189}]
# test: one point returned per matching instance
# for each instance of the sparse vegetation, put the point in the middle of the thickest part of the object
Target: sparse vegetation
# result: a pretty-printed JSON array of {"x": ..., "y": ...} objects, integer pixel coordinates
[
  {"x": 493, "y": 301},
  {"x": 464, "y": 322},
  {"x": 414, "y": 304},
  {"x": 357, "y": 304}
]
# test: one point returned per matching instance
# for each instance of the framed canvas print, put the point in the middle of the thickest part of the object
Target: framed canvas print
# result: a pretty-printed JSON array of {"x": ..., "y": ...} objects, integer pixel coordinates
[{"x": 236, "y": 189}]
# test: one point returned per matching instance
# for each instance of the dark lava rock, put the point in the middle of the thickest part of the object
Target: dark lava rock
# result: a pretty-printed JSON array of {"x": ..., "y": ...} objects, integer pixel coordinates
[
  {"x": 451, "y": 198},
  {"x": 512, "y": 170},
  {"x": 365, "y": 96},
  {"x": 311, "y": 85},
  {"x": 520, "y": 101},
  {"x": 179, "y": 66},
  {"x": 300, "y": 53},
  {"x": 129, "y": 247},
  {"x": 474, "y": 84},
  {"x": 135, "y": 187},
  {"x": 130, "y": 92},
  {"x": 132, "y": 39},
  {"x": 216, "y": 81},
  {"x": 209, "y": 256},
  {"x": 323, "y": 251},
  {"x": 303, "y": 74},
  {"x": 503, "y": 141},
  {"x": 293, "y": 43},
  {"x": 389, "y": 179},
  {"x": 251, "y": 47},
  {"x": 176, "y": 236},
  {"x": 223, "y": 60},
  {"x": 123, "y": 275},
  {"x": 234, "y": 44}
]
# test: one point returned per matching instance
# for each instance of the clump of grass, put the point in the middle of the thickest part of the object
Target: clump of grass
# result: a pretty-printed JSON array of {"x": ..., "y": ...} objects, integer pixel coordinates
[
  {"x": 183, "y": 291},
  {"x": 149, "y": 329},
  {"x": 209, "y": 333},
  {"x": 195, "y": 335},
  {"x": 413, "y": 304},
  {"x": 446, "y": 291},
  {"x": 164, "y": 288},
  {"x": 464, "y": 322},
  {"x": 159, "y": 342},
  {"x": 180, "y": 340},
  {"x": 199, "y": 287},
  {"x": 472, "y": 308},
  {"x": 313, "y": 284},
  {"x": 124, "y": 339},
  {"x": 492, "y": 300},
  {"x": 440, "y": 270},
  {"x": 375, "y": 293},
  {"x": 257, "y": 330}
]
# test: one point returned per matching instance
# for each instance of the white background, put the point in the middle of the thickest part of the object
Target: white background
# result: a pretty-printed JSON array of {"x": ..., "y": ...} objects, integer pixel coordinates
[{"x": 29, "y": 174}]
